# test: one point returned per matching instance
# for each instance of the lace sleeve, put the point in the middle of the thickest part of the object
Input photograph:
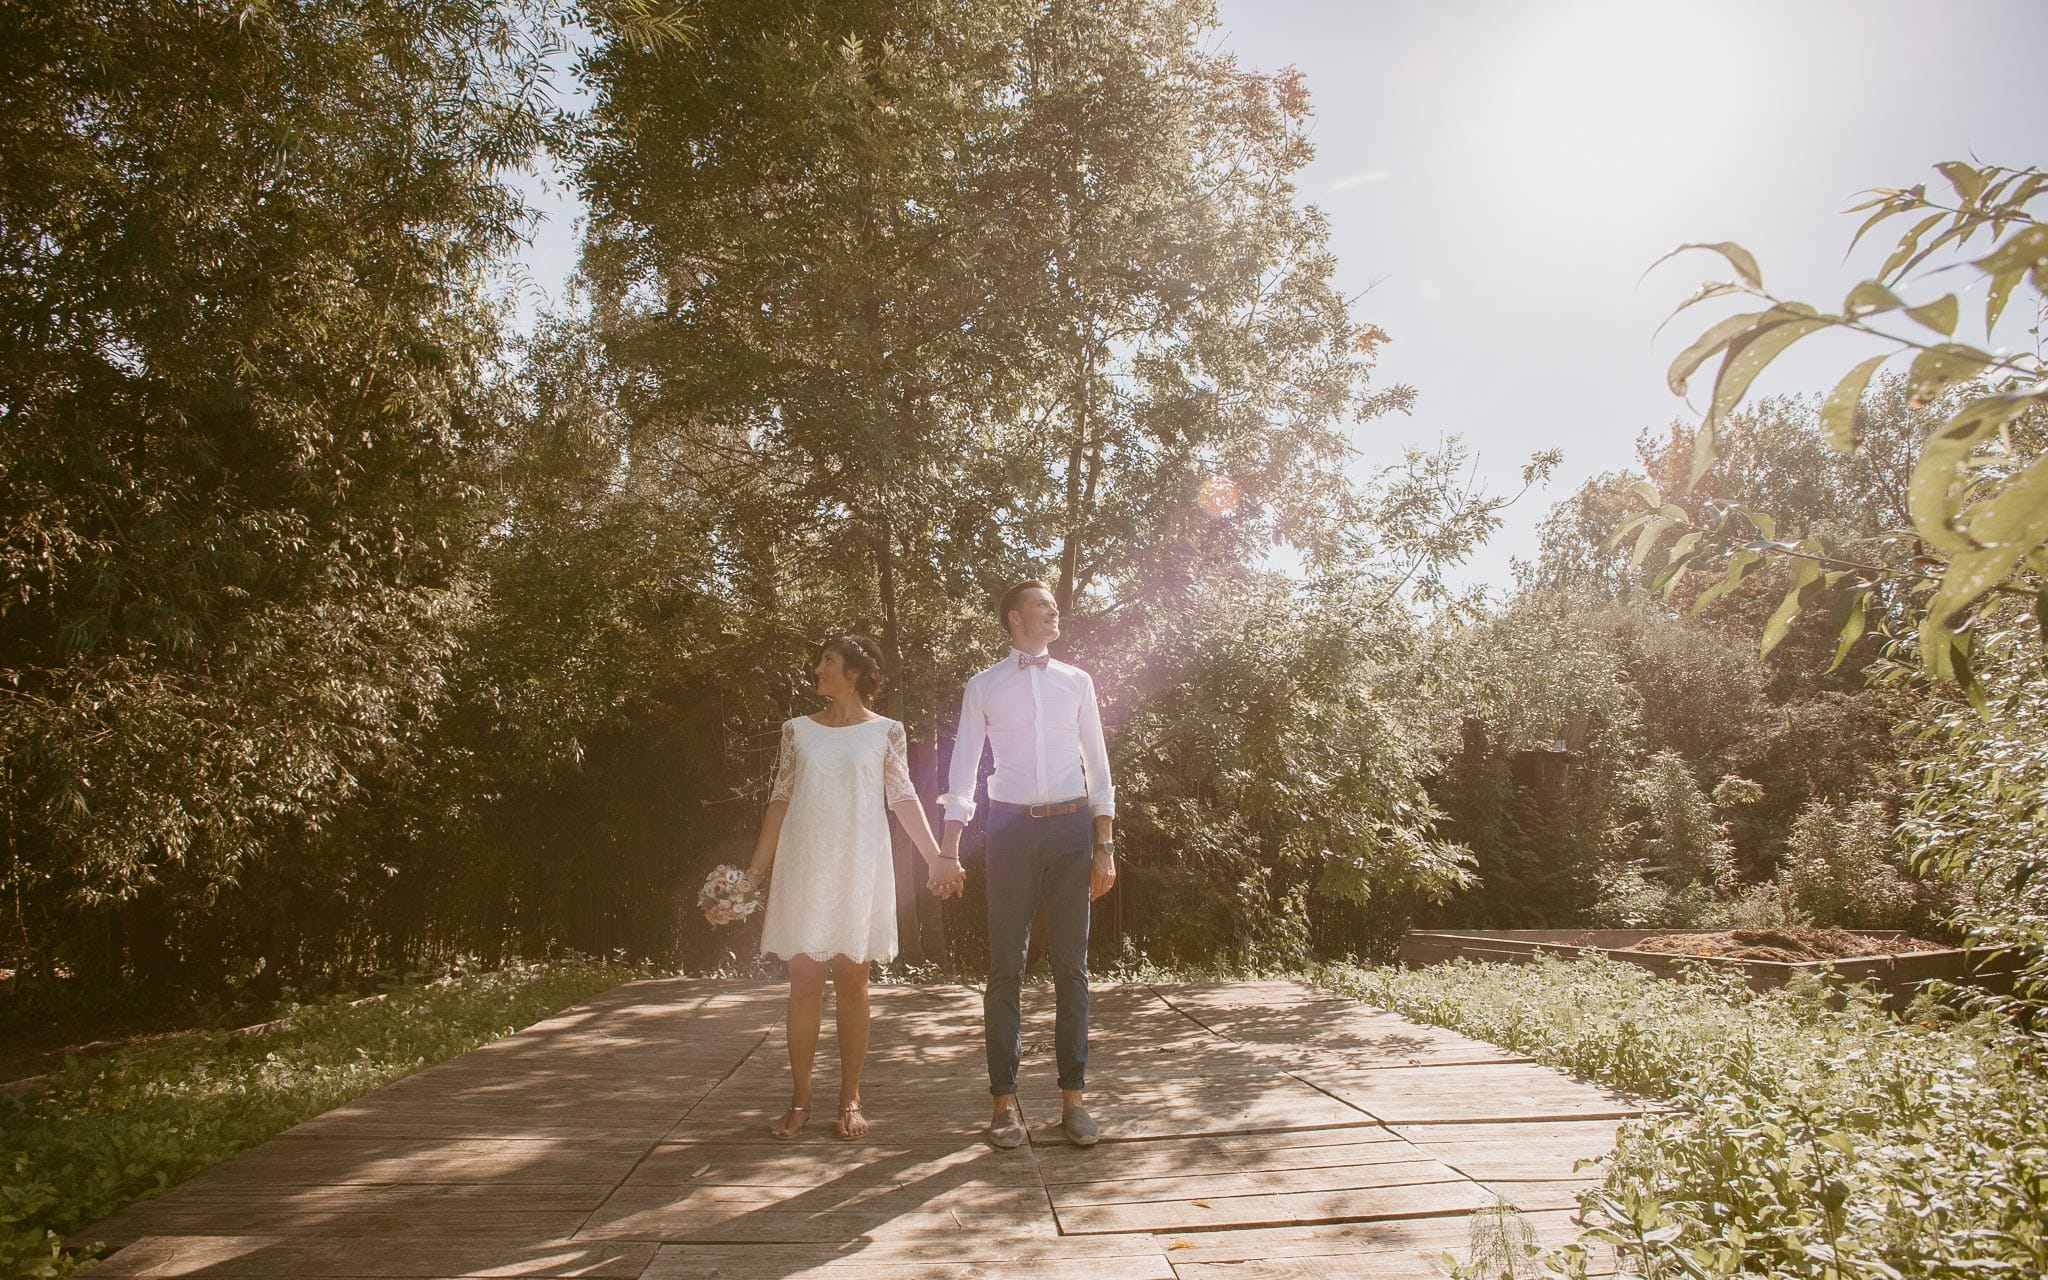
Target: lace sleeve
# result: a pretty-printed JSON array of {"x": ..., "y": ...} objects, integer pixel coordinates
[
  {"x": 896, "y": 784},
  {"x": 785, "y": 765}
]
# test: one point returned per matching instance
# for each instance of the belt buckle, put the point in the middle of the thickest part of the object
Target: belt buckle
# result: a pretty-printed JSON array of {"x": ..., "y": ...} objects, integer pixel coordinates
[{"x": 1041, "y": 811}]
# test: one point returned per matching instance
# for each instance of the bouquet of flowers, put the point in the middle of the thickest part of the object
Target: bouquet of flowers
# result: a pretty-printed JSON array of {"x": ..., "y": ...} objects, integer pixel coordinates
[{"x": 728, "y": 896}]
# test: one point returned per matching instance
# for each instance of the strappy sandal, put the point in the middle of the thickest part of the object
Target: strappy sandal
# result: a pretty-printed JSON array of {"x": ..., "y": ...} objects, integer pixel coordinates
[
  {"x": 805, "y": 1112},
  {"x": 850, "y": 1109}
]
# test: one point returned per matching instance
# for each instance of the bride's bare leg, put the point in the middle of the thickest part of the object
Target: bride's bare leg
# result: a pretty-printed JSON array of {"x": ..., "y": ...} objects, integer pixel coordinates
[
  {"x": 806, "y": 1011},
  {"x": 850, "y": 1002}
]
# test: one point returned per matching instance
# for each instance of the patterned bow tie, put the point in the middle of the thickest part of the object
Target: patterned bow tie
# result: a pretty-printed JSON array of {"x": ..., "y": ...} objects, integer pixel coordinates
[{"x": 1025, "y": 660}]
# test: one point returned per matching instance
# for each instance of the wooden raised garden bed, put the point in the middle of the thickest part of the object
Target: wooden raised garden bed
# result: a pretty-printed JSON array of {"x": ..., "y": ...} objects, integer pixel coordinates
[{"x": 1898, "y": 975}]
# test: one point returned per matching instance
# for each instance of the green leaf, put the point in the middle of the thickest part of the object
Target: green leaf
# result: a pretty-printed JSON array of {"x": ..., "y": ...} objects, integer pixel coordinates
[
  {"x": 1681, "y": 555},
  {"x": 2017, "y": 514},
  {"x": 1749, "y": 354},
  {"x": 1738, "y": 257},
  {"x": 1870, "y": 298},
  {"x": 1998, "y": 294},
  {"x": 1629, "y": 526},
  {"x": 1938, "y": 315},
  {"x": 1712, "y": 289},
  {"x": 1938, "y": 366},
  {"x": 1738, "y": 564},
  {"x": 1944, "y": 460},
  {"x": 1653, "y": 529},
  {"x": 1969, "y": 184},
  {"x": 1788, "y": 608},
  {"x": 1855, "y": 607},
  {"x": 1908, "y": 243},
  {"x": 1705, "y": 449},
  {"x": 1965, "y": 677},
  {"x": 1761, "y": 522},
  {"x": 1715, "y": 338},
  {"x": 2025, "y": 250},
  {"x": 1886, "y": 208},
  {"x": 1838, "y": 412},
  {"x": 1649, "y": 493},
  {"x": 1970, "y": 574}
]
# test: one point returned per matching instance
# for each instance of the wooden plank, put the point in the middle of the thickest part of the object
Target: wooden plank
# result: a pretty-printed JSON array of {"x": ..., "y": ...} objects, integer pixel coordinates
[
  {"x": 332, "y": 1257},
  {"x": 1248, "y": 1146},
  {"x": 971, "y": 1247},
  {"x": 1304, "y": 1029},
  {"x": 747, "y": 1225},
  {"x": 1561, "y": 1193},
  {"x": 510, "y": 1227},
  {"x": 1432, "y": 1236},
  {"x": 796, "y": 1164},
  {"x": 1493, "y": 1092},
  {"x": 1125, "y": 1162},
  {"x": 298, "y": 1160},
  {"x": 1456, "y": 1195},
  {"x": 1214, "y": 1187},
  {"x": 784, "y": 1262},
  {"x": 1505, "y": 1151},
  {"x": 817, "y": 1215},
  {"x": 881, "y": 1199},
  {"x": 1170, "y": 1108}
]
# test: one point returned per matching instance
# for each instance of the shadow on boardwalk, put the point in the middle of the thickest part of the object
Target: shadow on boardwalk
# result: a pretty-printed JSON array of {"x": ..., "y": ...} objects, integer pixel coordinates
[{"x": 1258, "y": 1131}]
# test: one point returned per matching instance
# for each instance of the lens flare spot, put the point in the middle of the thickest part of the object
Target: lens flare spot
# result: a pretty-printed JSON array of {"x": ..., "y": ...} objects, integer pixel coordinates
[{"x": 1218, "y": 496}]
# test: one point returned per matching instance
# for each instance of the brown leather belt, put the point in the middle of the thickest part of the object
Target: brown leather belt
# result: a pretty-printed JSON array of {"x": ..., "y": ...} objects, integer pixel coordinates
[{"x": 1058, "y": 808}]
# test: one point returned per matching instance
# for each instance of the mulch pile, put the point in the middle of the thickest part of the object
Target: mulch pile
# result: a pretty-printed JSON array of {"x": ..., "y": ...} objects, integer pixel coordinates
[{"x": 1798, "y": 945}]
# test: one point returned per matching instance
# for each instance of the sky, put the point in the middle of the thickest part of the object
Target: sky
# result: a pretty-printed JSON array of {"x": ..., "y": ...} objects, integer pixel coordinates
[{"x": 1498, "y": 174}]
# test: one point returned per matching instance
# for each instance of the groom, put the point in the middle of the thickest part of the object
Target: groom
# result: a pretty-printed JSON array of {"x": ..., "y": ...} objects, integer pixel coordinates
[{"x": 1050, "y": 810}]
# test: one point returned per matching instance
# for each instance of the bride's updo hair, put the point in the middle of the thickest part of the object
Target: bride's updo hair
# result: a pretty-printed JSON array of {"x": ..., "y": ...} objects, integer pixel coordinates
[{"x": 861, "y": 656}]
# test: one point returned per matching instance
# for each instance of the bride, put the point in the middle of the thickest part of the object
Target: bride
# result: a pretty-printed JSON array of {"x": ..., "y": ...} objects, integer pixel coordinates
[{"x": 832, "y": 897}]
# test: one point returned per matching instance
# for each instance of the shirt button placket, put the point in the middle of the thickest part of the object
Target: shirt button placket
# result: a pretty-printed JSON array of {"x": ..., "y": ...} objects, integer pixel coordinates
[{"x": 1038, "y": 732}]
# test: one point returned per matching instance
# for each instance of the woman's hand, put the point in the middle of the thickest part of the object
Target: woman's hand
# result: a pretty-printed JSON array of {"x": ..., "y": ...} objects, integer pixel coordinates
[{"x": 946, "y": 878}]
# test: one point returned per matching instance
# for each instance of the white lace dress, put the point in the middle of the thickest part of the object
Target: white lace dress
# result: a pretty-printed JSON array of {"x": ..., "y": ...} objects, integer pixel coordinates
[{"x": 832, "y": 890}]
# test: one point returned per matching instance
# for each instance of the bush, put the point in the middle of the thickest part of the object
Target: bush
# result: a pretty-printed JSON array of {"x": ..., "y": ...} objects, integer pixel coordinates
[{"x": 1841, "y": 868}]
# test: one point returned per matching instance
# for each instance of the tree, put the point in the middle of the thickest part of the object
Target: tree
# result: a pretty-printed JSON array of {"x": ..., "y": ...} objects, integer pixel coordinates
[{"x": 251, "y": 352}]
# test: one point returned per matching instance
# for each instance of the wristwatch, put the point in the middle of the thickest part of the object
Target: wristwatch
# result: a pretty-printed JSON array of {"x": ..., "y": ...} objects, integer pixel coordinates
[{"x": 1106, "y": 846}]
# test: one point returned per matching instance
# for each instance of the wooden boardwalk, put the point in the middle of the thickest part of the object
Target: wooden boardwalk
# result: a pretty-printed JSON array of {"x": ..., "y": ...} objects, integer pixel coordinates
[{"x": 1264, "y": 1131}]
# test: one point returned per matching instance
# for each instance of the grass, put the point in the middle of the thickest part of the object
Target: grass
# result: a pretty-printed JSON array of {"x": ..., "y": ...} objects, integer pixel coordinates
[
  {"x": 1810, "y": 1140},
  {"x": 103, "y": 1132}
]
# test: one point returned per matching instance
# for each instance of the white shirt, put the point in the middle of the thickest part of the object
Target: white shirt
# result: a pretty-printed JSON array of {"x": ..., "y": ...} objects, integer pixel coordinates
[{"x": 1047, "y": 734}]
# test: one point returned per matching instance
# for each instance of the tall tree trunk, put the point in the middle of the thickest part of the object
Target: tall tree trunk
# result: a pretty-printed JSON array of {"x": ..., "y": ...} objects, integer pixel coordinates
[{"x": 1070, "y": 551}]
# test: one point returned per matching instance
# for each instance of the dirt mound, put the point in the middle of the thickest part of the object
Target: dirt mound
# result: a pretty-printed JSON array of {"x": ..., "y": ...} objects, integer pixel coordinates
[{"x": 1798, "y": 945}]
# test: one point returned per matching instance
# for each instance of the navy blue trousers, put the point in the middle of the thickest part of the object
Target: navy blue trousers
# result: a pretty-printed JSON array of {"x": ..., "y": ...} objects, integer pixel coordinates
[{"x": 1034, "y": 861}]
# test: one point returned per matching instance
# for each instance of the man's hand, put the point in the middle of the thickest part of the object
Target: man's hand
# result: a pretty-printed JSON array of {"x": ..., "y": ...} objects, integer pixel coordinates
[
  {"x": 1101, "y": 876},
  {"x": 946, "y": 878}
]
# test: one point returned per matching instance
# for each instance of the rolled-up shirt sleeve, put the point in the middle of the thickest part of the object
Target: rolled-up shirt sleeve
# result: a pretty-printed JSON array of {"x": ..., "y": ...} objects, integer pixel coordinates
[
  {"x": 966, "y": 762},
  {"x": 1095, "y": 755}
]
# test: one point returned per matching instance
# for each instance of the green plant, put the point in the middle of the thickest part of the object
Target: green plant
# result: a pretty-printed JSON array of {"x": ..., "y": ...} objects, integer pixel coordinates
[
  {"x": 1841, "y": 867},
  {"x": 1807, "y": 1137}
]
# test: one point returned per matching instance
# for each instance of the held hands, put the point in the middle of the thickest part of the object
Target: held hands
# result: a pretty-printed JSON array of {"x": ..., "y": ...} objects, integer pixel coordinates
[
  {"x": 946, "y": 877},
  {"x": 1102, "y": 875}
]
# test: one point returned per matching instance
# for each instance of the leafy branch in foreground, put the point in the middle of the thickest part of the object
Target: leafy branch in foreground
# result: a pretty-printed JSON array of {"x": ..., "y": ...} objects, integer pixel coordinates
[{"x": 1978, "y": 498}]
